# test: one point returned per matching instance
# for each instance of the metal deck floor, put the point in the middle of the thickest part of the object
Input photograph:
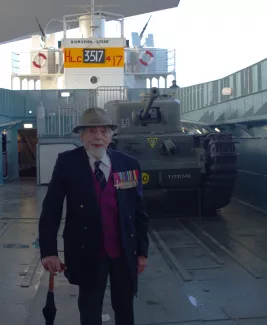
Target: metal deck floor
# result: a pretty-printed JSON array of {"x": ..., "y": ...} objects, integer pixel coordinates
[{"x": 199, "y": 272}]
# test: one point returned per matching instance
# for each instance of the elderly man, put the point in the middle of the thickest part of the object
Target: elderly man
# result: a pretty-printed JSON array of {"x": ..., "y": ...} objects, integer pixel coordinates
[{"x": 106, "y": 224}]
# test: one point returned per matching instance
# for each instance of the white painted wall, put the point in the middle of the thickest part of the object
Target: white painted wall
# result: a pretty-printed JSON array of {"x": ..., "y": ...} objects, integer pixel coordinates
[
  {"x": 50, "y": 83},
  {"x": 48, "y": 154},
  {"x": 78, "y": 78},
  {"x": 132, "y": 82}
]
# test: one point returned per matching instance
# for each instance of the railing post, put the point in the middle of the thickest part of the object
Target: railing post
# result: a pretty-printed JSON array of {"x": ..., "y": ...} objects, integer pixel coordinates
[
  {"x": 41, "y": 120},
  {"x": 59, "y": 121}
]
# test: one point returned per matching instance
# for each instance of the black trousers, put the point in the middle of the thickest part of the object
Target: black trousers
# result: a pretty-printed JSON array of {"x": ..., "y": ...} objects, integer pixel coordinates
[{"x": 90, "y": 300}]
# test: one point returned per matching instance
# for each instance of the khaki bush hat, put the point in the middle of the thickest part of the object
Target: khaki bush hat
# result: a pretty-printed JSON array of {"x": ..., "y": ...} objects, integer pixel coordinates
[{"x": 94, "y": 117}]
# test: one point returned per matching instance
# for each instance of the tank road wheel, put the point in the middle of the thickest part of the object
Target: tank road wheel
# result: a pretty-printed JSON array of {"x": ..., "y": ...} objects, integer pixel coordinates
[{"x": 221, "y": 172}]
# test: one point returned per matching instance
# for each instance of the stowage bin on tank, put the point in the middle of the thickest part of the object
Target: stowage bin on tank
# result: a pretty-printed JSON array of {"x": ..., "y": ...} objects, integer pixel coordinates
[{"x": 176, "y": 155}]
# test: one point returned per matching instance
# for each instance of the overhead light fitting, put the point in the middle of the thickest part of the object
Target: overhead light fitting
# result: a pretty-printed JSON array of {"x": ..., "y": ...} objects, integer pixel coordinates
[
  {"x": 227, "y": 91},
  {"x": 65, "y": 94},
  {"x": 28, "y": 126}
]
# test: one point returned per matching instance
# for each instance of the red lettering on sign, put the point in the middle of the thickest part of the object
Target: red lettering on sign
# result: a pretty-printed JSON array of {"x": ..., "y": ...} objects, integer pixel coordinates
[
  {"x": 67, "y": 56},
  {"x": 116, "y": 60},
  {"x": 70, "y": 58},
  {"x": 120, "y": 58}
]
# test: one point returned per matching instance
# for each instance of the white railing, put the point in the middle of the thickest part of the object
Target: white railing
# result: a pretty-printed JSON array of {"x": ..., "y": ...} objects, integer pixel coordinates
[
  {"x": 32, "y": 63},
  {"x": 59, "y": 121}
]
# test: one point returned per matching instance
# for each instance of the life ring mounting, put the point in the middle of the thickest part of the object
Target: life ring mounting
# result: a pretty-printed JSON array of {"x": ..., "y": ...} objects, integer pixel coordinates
[
  {"x": 143, "y": 55},
  {"x": 37, "y": 57}
]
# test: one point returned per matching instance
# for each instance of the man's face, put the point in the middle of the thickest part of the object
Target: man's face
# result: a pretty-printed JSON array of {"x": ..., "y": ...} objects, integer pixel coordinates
[{"x": 96, "y": 140}]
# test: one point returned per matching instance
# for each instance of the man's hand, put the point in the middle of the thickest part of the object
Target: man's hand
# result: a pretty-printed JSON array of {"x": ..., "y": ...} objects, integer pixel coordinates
[
  {"x": 53, "y": 264},
  {"x": 142, "y": 262}
]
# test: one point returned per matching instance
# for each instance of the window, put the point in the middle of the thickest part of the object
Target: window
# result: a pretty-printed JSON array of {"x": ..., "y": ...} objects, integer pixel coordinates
[
  {"x": 238, "y": 86},
  {"x": 264, "y": 75},
  {"x": 205, "y": 95},
  {"x": 255, "y": 77},
  {"x": 210, "y": 93}
]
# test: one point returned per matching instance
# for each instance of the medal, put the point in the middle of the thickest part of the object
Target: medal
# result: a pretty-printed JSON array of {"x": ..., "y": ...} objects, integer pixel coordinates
[{"x": 127, "y": 179}]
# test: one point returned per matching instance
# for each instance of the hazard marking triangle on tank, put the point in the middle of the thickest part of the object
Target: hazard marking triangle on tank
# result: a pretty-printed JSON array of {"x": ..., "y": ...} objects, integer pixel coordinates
[{"x": 152, "y": 141}]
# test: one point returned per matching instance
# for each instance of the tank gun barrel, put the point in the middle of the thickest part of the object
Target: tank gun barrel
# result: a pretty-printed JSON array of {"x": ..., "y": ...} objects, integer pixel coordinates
[{"x": 153, "y": 95}]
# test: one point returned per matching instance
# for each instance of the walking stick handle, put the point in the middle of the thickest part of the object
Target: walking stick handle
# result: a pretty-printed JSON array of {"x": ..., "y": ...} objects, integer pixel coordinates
[
  {"x": 51, "y": 282},
  {"x": 52, "y": 278}
]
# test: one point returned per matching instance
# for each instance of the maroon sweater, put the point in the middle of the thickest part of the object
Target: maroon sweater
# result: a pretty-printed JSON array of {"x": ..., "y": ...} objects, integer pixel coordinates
[{"x": 107, "y": 201}]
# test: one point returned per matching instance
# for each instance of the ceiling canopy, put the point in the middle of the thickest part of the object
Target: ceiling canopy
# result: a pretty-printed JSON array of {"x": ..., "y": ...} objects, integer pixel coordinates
[{"x": 17, "y": 17}]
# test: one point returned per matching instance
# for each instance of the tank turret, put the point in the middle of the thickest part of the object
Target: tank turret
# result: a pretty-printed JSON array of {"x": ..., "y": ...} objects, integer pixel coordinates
[
  {"x": 135, "y": 116},
  {"x": 153, "y": 113}
]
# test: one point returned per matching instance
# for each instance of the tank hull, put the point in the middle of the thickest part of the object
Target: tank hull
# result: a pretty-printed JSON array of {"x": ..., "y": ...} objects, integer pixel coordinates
[
  {"x": 193, "y": 185},
  {"x": 183, "y": 163}
]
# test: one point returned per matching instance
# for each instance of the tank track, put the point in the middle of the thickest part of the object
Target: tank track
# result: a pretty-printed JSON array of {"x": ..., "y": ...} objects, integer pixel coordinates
[{"x": 221, "y": 172}]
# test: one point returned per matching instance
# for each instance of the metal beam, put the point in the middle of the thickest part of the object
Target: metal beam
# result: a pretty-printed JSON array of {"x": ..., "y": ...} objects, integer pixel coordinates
[
  {"x": 242, "y": 120},
  {"x": 9, "y": 125},
  {"x": 195, "y": 122}
]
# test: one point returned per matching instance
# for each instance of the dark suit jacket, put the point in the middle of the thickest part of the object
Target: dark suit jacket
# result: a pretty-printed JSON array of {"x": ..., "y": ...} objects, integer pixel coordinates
[{"x": 82, "y": 234}]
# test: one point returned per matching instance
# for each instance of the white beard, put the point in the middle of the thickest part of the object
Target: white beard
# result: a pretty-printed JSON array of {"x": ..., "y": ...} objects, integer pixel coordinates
[{"x": 97, "y": 153}]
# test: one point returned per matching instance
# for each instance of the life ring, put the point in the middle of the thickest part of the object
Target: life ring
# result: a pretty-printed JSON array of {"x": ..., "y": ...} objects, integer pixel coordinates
[
  {"x": 39, "y": 55},
  {"x": 143, "y": 54}
]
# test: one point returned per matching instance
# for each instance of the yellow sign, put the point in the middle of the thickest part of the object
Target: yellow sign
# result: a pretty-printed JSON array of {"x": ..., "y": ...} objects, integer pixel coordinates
[
  {"x": 110, "y": 57},
  {"x": 152, "y": 141},
  {"x": 145, "y": 178}
]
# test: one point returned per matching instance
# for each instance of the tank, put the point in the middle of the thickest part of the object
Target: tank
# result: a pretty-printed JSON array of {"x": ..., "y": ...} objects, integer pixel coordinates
[{"x": 185, "y": 166}]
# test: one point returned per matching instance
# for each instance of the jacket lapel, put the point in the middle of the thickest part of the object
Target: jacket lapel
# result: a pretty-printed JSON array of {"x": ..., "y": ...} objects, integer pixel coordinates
[
  {"x": 85, "y": 166},
  {"x": 86, "y": 175},
  {"x": 117, "y": 164}
]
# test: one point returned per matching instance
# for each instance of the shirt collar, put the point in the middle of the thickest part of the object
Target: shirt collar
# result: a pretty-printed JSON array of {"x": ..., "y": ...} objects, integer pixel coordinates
[{"x": 105, "y": 159}]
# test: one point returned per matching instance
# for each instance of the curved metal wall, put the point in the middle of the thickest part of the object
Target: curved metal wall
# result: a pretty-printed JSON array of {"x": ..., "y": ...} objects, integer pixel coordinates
[
  {"x": 247, "y": 106},
  {"x": 251, "y": 185}
]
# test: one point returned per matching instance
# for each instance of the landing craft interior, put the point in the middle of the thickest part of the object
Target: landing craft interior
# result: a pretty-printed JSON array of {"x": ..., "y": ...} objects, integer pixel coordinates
[{"x": 201, "y": 148}]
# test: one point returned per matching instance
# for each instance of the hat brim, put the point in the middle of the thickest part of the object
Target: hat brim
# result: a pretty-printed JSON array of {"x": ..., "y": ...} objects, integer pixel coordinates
[{"x": 78, "y": 127}]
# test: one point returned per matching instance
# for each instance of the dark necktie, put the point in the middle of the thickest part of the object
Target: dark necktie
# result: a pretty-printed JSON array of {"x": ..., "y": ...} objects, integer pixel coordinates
[{"x": 100, "y": 177}]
